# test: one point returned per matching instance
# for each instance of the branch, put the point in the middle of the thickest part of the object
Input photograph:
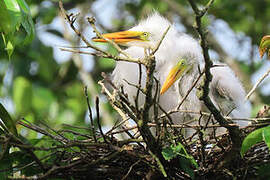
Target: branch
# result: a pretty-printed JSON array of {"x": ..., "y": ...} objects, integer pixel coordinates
[
  {"x": 190, "y": 89},
  {"x": 71, "y": 19},
  {"x": 160, "y": 41},
  {"x": 204, "y": 88},
  {"x": 90, "y": 114},
  {"x": 257, "y": 84},
  {"x": 99, "y": 35}
]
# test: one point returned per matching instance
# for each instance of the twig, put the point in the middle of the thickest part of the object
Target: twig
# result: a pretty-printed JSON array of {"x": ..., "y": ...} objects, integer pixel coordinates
[
  {"x": 30, "y": 152},
  {"x": 139, "y": 86},
  {"x": 75, "y": 133},
  {"x": 77, "y": 127},
  {"x": 190, "y": 89},
  {"x": 160, "y": 41},
  {"x": 71, "y": 20},
  {"x": 208, "y": 114},
  {"x": 156, "y": 106},
  {"x": 98, "y": 120},
  {"x": 107, "y": 55},
  {"x": 90, "y": 114},
  {"x": 92, "y": 21},
  {"x": 48, "y": 127},
  {"x": 42, "y": 131},
  {"x": 257, "y": 84},
  {"x": 117, "y": 126},
  {"x": 130, "y": 168},
  {"x": 154, "y": 147}
]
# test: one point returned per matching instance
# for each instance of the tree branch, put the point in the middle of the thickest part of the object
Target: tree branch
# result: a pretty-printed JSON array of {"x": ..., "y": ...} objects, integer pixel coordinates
[{"x": 204, "y": 88}]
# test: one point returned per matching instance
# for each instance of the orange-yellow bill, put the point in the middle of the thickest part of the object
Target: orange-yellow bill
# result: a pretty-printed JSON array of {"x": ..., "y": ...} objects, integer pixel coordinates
[
  {"x": 122, "y": 37},
  {"x": 175, "y": 73}
]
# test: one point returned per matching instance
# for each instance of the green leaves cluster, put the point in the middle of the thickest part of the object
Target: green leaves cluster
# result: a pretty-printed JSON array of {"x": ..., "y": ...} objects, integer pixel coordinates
[
  {"x": 186, "y": 162},
  {"x": 15, "y": 14},
  {"x": 259, "y": 135}
]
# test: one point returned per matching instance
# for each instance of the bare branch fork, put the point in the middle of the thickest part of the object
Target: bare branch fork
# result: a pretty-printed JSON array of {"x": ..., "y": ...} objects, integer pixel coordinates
[{"x": 204, "y": 88}]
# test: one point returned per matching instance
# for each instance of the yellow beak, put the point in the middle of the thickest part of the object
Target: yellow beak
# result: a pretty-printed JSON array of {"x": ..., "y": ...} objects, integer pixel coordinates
[
  {"x": 123, "y": 37},
  {"x": 175, "y": 73}
]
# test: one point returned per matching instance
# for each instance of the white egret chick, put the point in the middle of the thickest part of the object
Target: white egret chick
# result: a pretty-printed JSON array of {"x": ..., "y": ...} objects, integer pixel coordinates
[
  {"x": 177, "y": 62},
  {"x": 226, "y": 91},
  {"x": 146, "y": 35}
]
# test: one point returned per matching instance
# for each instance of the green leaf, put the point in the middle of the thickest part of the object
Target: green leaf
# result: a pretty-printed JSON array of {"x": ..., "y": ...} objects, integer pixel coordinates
[
  {"x": 10, "y": 16},
  {"x": 4, "y": 20},
  {"x": 9, "y": 48},
  {"x": 8, "y": 122},
  {"x": 266, "y": 136},
  {"x": 27, "y": 21},
  {"x": 251, "y": 139},
  {"x": 13, "y": 14},
  {"x": 168, "y": 153},
  {"x": 22, "y": 95},
  {"x": 186, "y": 161},
  {"x": 186, "y": 165}
]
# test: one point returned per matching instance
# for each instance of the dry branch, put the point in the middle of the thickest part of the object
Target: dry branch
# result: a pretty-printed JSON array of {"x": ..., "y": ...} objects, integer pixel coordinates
[{"x": 204, "y": 88}]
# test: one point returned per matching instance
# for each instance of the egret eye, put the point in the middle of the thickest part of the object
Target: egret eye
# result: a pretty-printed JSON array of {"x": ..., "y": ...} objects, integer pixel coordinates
[
  {"x": 182, "y": 62},
  {"x": 145, "y": 36}
]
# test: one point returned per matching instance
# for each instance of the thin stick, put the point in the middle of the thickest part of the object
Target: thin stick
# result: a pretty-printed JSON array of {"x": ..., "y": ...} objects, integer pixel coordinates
[
  {"x": 190, "y": 89},
  {"x": 99, "y": 35},
  {"x": 257, "y": 84},
  {"x": 90, "y": 114},
  {"x": 130, "y": 168},
  {"x": 159, "y": 43},
  {"x": 71, "y": 20},
  {"x": 98, "y": 120}
]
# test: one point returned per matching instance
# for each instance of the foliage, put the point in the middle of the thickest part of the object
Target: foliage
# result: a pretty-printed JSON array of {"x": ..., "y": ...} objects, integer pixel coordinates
[
  {"x": 262, "y": 134},
  {"x": 186, "y": 161},
  {"x": 13, "y": 15}
]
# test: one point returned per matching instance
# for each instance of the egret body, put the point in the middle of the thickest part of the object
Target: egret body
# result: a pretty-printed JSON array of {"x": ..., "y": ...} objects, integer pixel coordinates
[{"x": 178, "y": 61}]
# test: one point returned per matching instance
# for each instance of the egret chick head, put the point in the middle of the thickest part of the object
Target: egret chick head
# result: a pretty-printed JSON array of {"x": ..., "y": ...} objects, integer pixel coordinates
[
  {"x": 146, "y": 34},
  {"x": 175, "y": 73}
]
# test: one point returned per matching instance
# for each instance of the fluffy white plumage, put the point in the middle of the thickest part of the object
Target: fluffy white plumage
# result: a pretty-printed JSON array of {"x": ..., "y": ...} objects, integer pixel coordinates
[{"x": 226, "y": 91}]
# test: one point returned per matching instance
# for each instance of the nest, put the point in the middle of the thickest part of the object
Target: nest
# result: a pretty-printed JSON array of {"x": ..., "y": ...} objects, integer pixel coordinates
[{"x": 84, "y": 156}]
